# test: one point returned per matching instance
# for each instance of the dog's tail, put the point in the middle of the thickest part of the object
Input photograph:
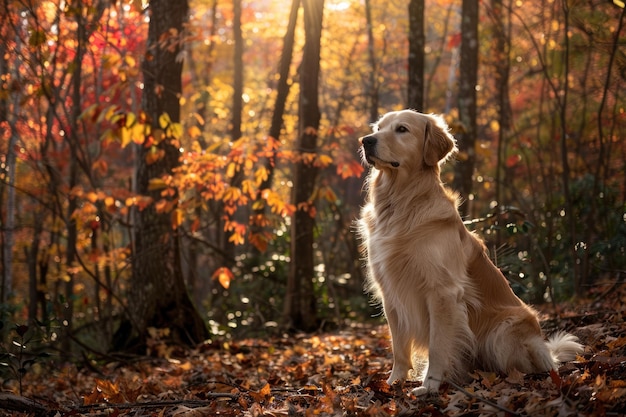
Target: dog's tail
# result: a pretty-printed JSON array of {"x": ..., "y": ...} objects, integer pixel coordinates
[{"x": 564, "y": 347}]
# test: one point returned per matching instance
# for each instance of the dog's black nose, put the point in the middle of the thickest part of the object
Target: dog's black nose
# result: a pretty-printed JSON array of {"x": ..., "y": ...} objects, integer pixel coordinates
[{"x": 369, "y": 142}]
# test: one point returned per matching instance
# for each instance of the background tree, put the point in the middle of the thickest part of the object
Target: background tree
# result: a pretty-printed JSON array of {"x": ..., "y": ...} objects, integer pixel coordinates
[
  {"x": 468, "y": 78},
  {"x": 158, "y": 293},
  {"x": 300, "y": 304},
  {"x": 373, "y": 74},
  {"x": 501, "y": 61},
  {"x": 417, "y": 43}
]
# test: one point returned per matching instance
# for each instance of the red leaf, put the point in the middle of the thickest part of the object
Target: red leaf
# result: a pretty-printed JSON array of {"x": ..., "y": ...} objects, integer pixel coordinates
[{"x": 554, "y": 375}]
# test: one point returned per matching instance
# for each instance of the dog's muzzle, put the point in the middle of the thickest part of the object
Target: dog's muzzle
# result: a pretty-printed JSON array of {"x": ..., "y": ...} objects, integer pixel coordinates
[
  {"x": 369, "y": 151},
  {"x": 369, "y": 148}
]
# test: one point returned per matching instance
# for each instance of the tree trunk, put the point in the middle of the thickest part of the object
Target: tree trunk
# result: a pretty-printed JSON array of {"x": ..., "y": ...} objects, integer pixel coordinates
[
  {"x": 8, "y": 222},
  {"x": 468, "y": 78},
  {"x": 300, "y": 308},
  {"x": 229, "y": 248},
  {"x": 159, "y": 297},
  {"x": 501, "y": 61},
  {"x": 373, "y": 73},
  {"x": 417, "y": 41}
]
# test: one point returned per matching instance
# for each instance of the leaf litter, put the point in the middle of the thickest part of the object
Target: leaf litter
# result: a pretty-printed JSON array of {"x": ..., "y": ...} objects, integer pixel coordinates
[{"x": 341, "y": 373}]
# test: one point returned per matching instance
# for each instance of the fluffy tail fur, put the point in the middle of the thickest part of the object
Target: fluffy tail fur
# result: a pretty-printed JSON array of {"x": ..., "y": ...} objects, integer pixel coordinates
[{"x": 564, "y": 347}]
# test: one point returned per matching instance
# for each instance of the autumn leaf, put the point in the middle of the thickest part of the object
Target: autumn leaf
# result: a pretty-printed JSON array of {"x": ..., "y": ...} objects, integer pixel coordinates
[
  {"x": 513, "y": 160},
  {"x": 323, "y": 161},
  {"x": 259, "y": 241},
  {"x": 262, "y": 394},
  {"x": 154, "y": 155},
  {"x": 224, "y": 276},
  {"x": 193, "y": 131},
  {"x": 260, "y": 175},
  {"x": 164, "y": 121},
  {"x": 178, "y": 216},
  {"x": 350, "y": 169},
  {"x": 100, "y": 167},
  {"x": 156, "y": 184}
]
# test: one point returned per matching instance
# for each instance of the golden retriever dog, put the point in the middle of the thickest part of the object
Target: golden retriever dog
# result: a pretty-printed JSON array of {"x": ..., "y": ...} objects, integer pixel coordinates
[{"x": 439, "y": 290}]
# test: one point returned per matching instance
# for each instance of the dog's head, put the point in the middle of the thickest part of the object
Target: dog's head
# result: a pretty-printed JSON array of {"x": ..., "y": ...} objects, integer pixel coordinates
[{"x": 407, "y": 140}]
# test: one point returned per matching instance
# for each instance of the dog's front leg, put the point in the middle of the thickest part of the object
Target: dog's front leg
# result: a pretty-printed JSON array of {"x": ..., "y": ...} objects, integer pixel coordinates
[
  {"x": 401, "y": 346},
  {"x": 450, "y": 340}
]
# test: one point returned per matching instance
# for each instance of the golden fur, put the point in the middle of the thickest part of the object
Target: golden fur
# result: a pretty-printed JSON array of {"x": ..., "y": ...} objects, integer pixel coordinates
[{"x": 439, "y": 290}]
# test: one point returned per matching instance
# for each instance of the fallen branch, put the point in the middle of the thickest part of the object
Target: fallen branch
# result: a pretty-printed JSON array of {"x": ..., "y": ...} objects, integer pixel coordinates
[
  {"x": 153, "y": 404},
  {"x": 14, "y": 402}
]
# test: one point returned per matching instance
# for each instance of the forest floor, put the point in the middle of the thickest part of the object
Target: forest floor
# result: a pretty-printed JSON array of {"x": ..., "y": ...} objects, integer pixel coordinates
[{"x": 332, "y": 374}]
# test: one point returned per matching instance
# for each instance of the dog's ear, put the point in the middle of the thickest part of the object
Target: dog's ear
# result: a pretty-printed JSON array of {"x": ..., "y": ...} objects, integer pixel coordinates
[{"x": 438, "y": 142}]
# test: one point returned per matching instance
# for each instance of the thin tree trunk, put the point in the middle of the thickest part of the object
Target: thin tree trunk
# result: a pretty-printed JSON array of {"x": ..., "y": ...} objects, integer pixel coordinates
[
  {"x": 501, "y": 60},
  {"x": 300, "y": 310},
  {"x": 238, "y": 72},
  {"x": 235, "y": 135},
  {"x": 73, "y": 144},
  {"x": 468, "y": 77},
  {"x": 417, "y": 42},
  {"x": 373, "y": 73},
  {"x": 8, "y": 223},
  {"x": 565, "y": 171}
]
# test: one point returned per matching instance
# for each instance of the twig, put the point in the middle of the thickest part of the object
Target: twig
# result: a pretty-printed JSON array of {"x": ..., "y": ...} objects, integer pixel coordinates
[
  {"x": 152, "y": 404},
  {"x": 20, "y": 404}
]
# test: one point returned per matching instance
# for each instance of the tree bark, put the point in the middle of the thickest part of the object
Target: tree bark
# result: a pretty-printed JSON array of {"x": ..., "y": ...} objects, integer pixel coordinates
[
  {"x": 468, "y": 78},
  {"x": 501, "y": 61},
  {"x": 159, "y": 297},
  {"x": 417, "y": 41},
  {"x": 373, "y": 75},
  {"x": 300, "y": 307}
]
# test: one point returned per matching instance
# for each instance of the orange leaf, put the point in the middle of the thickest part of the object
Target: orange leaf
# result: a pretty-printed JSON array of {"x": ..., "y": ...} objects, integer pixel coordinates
[
  {"x": 262, "y": 394},
  {"x": 223, "y": 275},
  {"x": 350, "y": 169},
  {"x": 177, "y": 218}
]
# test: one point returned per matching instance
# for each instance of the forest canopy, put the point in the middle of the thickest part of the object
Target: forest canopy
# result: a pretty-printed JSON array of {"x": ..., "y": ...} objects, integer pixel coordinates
[{"x": 184, "y": 147}]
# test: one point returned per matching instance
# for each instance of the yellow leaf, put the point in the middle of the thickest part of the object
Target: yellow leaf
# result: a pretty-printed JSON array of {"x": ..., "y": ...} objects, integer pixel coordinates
[
  {"x": 231, "y": 169},
  {"x": 164, "y": 120},
  {"x": 130, "y": 61},
  {"x": 324, "y": 160},
  {"x": 261, "y": 174},
  {"x": 156, "y": 184},
  {"x": 138, "y": 133},
  {"x": 124, "y": 136},
  {"x": 177, "y": 218},
  {"x": 232, "y": 194},
  {"x": 175, "y": 130},
  {"x": 130, "y": 119}
]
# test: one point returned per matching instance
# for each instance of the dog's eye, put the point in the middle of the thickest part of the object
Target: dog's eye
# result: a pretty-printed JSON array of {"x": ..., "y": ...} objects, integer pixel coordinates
[{"x": 401, "y": 129}]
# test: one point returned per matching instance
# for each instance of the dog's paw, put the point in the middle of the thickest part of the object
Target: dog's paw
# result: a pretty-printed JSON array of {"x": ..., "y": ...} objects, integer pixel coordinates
[
  {"x": 392, "y": 380},
  {"x": 429, "y": 386},
  {"x": 397, "y": 375}
]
